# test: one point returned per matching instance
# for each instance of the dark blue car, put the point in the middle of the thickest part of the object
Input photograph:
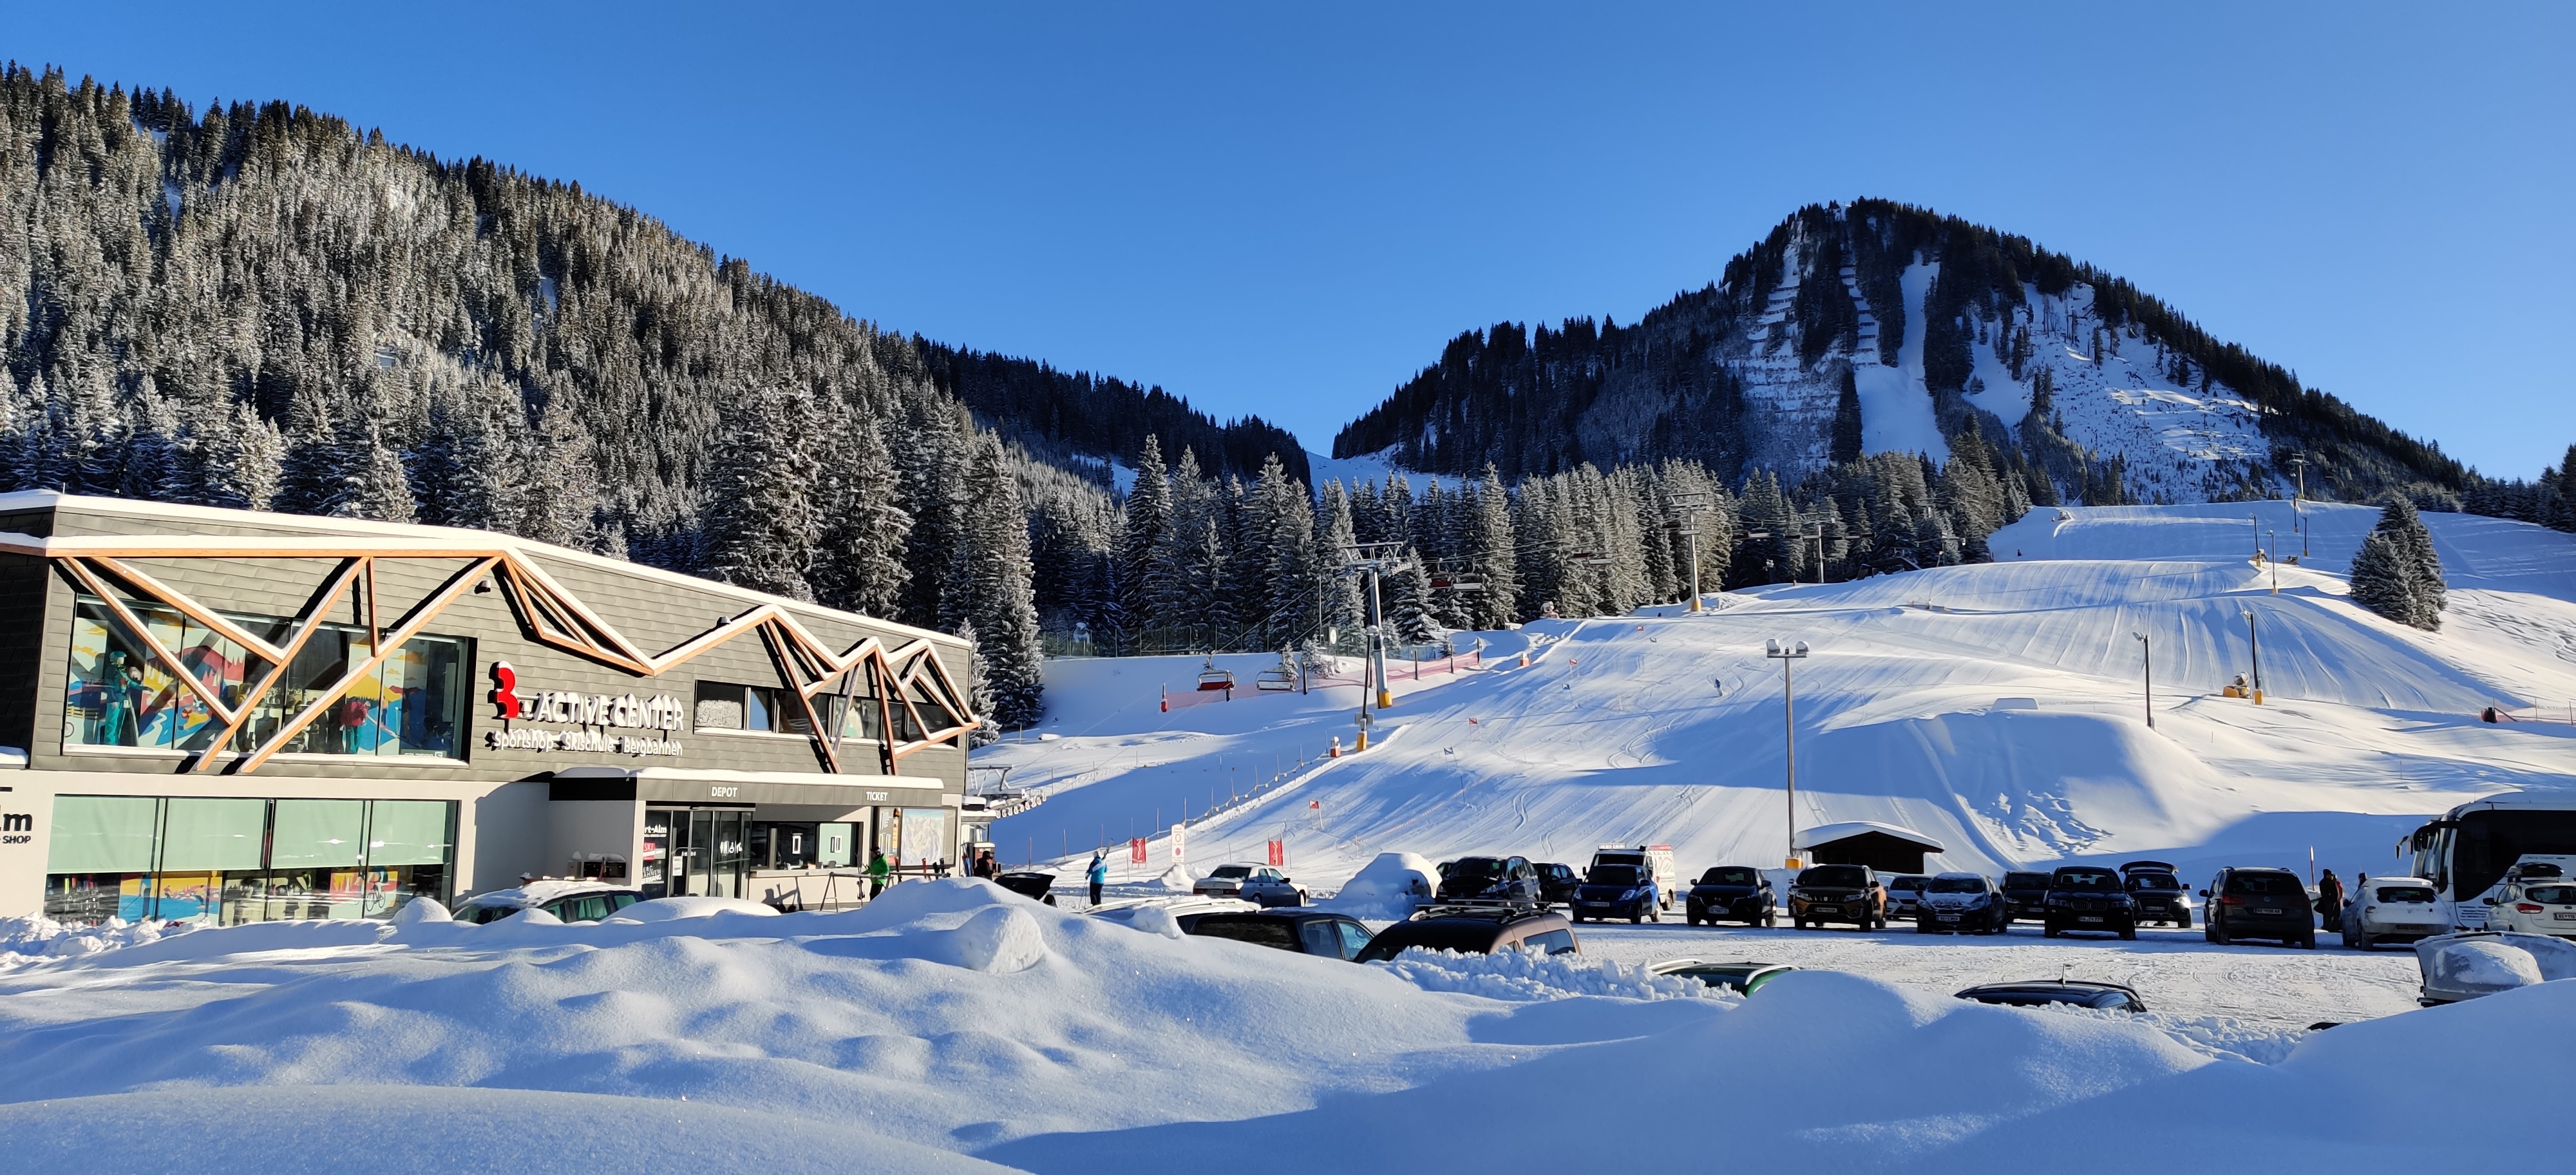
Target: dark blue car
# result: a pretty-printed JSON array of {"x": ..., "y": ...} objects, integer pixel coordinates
[
  {"x": 1618, "y": 891},
  {"x": 1732, "y": 893}
]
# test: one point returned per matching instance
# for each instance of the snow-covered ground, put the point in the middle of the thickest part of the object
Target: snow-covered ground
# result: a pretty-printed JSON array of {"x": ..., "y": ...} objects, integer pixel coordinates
[
  {"x": 1997, "y": 708},
  {"x": 953, "y": 1027}
]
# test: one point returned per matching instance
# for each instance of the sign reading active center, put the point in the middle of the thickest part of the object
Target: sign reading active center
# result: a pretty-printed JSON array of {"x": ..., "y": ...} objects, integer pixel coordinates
[{"x": 597, "y": 714}]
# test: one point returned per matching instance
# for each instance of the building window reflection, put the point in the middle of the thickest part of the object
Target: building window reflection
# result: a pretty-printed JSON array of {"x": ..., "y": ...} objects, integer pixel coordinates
[{"x": 230, "y": 861}]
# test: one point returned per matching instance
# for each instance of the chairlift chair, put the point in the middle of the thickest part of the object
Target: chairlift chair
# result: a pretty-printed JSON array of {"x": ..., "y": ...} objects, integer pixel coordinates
[
  {"x": 1282, "y": 676},
  {"x": 1213, "y": 678}
]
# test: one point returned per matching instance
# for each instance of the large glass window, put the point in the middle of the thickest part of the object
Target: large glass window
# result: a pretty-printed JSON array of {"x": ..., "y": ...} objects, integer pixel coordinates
[
  {"x": 725, "y": 706},
  {"x": 231, "y": 860},
  {"x": 118, "y": 696}
]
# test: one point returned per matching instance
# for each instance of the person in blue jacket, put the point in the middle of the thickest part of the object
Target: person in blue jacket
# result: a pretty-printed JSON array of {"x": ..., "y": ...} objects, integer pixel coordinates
[{"x": 1099, "y": 874}]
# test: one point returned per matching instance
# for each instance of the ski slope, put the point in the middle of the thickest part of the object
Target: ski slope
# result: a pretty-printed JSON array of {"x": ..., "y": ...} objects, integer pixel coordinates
[{"x": 1996, "y": 708}]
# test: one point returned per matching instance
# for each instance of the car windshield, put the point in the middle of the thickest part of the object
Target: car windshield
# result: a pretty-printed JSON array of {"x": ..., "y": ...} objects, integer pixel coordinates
[
  {"x": 1958, "y": 885},
  {"x": 1613, "y": 875},
  {"x": 2025, "y": 880},
  {"x": 1835, "y": 875},
  {"x": 1268, "y": 932},
  {"x": 2032, "y": 997},
  {"x": 2555, "y": 895},
  {"x": 1473, "y": 938},
  {"x": 1912, "y": 883},
  {"x": 1232, "y": 871},
  {"x": 1556, "y": 872},
  {"x": 1472, "y": 868},
  {"x": 2405, "y": 893},
  {"x": 2154, "y": 881},
  {"x": 1730, "y": 876},
  {"x": 2085, "y": 879},
  {"x": 2264, "y": 885}
]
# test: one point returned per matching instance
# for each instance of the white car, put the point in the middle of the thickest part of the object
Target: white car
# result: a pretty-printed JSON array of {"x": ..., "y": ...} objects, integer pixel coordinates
[
  {"x": 570, "y": 901},
  {"x": 2392, "y": 909},
  {"x": 1226, "y": 882},
  {"x": 2536, "y": 906}
]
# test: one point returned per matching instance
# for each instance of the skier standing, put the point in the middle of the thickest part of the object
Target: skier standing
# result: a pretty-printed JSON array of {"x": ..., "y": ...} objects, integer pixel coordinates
[{"x": 1099, "y": 874}]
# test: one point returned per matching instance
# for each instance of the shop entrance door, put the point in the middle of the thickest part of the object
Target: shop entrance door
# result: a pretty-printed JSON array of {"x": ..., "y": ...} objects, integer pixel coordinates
[{"x": 708, "y": 851}]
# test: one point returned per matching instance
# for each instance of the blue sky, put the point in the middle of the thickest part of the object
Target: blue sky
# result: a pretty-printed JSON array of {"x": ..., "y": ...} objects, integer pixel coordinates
[{"x": 1287, "y": 210}]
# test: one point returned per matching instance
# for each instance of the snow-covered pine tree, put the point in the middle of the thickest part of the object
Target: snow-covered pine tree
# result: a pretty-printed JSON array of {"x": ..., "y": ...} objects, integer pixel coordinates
[
  {"x": 2396, "y": 573},
  {"x": 762, "y": 528},
  {"x": 1339, "y": 608},
  {"x": 558, "y": 486},
  {"x": 979, "y": 688},
  {"x": 319, "y": 474},
  {"x": 239, "y": 459},
  {"x": 1141, "y": 543},
  {"x": 1000, "y": 603},
  {"x": 858, "y": 565},
  {"x": 1489, "y": 550},
  {"x": 1408, "y": 603},
  {"x": 2380, "y": 579},
  {"x": 382, "y": 491}
]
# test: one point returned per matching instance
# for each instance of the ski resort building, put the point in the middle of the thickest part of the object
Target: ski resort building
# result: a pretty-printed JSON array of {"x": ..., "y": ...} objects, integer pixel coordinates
[
  {"x": 1884, "y": 847},
  {"x": 247, "y": 716}
]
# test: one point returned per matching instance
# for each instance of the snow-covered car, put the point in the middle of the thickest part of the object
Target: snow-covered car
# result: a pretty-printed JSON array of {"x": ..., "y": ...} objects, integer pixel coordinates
[
  {"x": 1035, "y": 885},
  {"x": 2082, "y": 993},
  {"x": 1475, "y": 932},
  {"x": 1838, "y": 893},
  {"x": 1177, "y": 911},
  {"x": 2158, "y": 892},
  {"x": 569, "y": 901},
  {"x": 2534, "y": 907},
  {"x": 2392, "y": 909},
  {"x": 1618, "y": 891},
  {"x": 1502, "y": 881},
  {"x": 2082, "y": 897},
  {"x": 1905, "y": 894},
  {"x": 2475, "y": 963},
  {"x": 1270, "y": 886},
  {"x": 1742, "y": 978},
  {"x": 1957, "y": 903},
  {"x": 1732, "y": 893},
  {"x": 1390, "y": 888},
  {"x": 2258, "y": 903},
  {"x": 2026, "y": 895},
  {"x": 1225, "y": 881},
  {"x": 1305, "y": 932}
]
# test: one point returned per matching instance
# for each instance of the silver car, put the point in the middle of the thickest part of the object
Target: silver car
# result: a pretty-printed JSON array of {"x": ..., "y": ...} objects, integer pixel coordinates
[{"x": 1269, "y": 886}]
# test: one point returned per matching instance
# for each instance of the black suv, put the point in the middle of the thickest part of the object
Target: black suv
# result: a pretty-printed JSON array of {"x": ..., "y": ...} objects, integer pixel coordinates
[
  {"x": 1838, "y": 893},
  {"x": 2026, "y": 896},
  {"x": 1498, "y": 881},
  {"x": 2081, "y": 897},
  {"x": 1304, "y": 932},
  {"x": 2158, "y": 892},
  {"x": 1556, "y": 883},
  {"x": 1732, "y": 893},
  {"x": 2258, "y": 903}
]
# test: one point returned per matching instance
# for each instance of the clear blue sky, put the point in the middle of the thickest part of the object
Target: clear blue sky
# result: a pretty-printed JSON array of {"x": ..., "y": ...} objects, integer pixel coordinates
[{"x": 1287, "y": 209}]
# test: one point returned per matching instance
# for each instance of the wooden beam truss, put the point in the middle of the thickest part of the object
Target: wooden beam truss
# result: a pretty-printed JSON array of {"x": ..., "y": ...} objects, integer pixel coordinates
[{"x": 917, "y": 703}]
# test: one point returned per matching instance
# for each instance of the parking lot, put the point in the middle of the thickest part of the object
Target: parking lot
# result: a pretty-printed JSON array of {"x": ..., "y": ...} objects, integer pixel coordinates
[{"x": 2175, "y": 971}]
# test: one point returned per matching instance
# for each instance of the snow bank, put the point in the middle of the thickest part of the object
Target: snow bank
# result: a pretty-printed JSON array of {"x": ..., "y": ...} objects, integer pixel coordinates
[
  {"x": 1388, "y": 889},
  {"x": 1523, "y": 976},
  {"x": 24, "y": 940}
]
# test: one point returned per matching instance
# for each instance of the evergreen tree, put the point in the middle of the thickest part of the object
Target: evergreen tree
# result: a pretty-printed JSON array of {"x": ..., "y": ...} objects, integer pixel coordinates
[
  {"x": 2396, "y": 573},
  {"x": 858, "y": 566},
  {"x": 1145, "y": 579},
  {"x": 763, "y": 530},
  {"x": 1846, "y": 441},
  {"x": 1000, "y": 604},
  {"x": 2380, "y": 578},
  {"x": 1408, "y": 603},
  {"x": 1489, "y": 551}
]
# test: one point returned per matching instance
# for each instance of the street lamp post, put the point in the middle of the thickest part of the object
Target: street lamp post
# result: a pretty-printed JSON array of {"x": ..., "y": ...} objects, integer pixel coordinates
[
  {"x": 2300, "y": 503},
  {"x": 2148, "y": 648},
  {"x": 2257, "y": 643},
  {"x": 1789, "y": 726},
  {"x": 2274, "y": 560}
]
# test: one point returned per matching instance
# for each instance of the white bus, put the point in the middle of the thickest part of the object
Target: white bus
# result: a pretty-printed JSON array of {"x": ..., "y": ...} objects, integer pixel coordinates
[{"x": 2465, "y": 853}]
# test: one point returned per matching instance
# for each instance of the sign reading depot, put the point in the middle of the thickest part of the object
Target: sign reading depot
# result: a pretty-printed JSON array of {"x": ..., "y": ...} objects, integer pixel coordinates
[{"x": 596, "y": 714}]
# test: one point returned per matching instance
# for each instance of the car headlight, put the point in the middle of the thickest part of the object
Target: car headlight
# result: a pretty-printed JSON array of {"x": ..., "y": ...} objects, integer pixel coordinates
[{"x": 1627, "y": 895}]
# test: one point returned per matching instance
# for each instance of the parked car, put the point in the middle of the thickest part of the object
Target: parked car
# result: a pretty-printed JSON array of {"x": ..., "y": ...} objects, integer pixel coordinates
[
  {"x": 569, "y": 901},
  {"x": 1030, "y": 884},
  {"x": 1732, "y": 893},
  {"x": 1656, "y": 860},
  {"x": 1270, "y": 886},
  {"x": 2082, "y": 993},
  {"x": 2026, "y": 896},
  {"x": 2157, "y": 892},
  {"x": 1618, "y": 891},
  {"x": 1305, "y": 932},
  {"x": 2546, "y": 906},
  {"x": 1504, "y": 881},
  {"x": 1740, "y": 978},
  {"x": 1838, "y": 893},
  {"x": 1475, "y": 932},
  {"x": 1556, "y": 882},
  {"x": 2082, "y": 897},
  {"x": 2473, "y": 963},
  {"x": 1956, "y": 903},
  {"x": 1183, "y": 911},
  {"x": 2258, "y": 903},
  {"x": 1226, "y": 881},
  {"x": 2392, "y": 909},
  {"x": 1905, "y": 894}
]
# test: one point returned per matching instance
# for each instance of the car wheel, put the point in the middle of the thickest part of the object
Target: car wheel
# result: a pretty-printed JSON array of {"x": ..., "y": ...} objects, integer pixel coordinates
[
  {"x": 1800, "y": 923},
  {"x": 1635, "y": 917},
  {"x": 2357, "y": 940},
  {"x": 1768, "y": 920},
  {"x": 2184, "y": 921},
  {"x": 1693, "y": 919},
  {"x": 2216, "y": 934},
  {"x": 1655, "y": 912},
  {"x": 2129, "y": 933},
  {"x": 2308, "y": 942},
  {"x": 2048, "y": 929}
]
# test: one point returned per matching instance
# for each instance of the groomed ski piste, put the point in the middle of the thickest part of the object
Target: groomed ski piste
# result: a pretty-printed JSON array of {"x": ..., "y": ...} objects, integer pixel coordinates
[{"x": 950, "y": 1026}]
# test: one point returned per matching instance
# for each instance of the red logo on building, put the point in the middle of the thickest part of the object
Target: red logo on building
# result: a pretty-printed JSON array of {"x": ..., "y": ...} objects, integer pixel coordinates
[{"x": 505, "y": 681}]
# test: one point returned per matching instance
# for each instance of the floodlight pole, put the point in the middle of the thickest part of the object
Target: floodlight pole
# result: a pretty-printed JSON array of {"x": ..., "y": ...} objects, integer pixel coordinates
[
  {"x": 1789, "y": 730},
  {"x": 2256, "y": 641},
  {"x": 2148, "y": 648},
  {"x": 2275, "y": 560},
  {"x": 2300, "y": 503}
]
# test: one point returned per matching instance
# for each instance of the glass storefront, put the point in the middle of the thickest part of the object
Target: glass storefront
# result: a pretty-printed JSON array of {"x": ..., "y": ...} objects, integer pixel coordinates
[
  {"x": 118, "y": 696},
  {"x": 696, "y": 852},
  {"x": 231, "y": 861}
]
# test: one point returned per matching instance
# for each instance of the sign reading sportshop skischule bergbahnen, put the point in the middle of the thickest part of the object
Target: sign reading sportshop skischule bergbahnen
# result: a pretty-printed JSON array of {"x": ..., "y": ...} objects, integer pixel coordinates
[{"x": 595, "y": 714}]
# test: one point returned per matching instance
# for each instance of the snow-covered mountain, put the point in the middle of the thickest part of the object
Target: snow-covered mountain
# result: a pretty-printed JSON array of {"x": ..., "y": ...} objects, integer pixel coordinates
[
  {"x": 1872, "y": 327},
  {"x": 1996, "y": 707}
]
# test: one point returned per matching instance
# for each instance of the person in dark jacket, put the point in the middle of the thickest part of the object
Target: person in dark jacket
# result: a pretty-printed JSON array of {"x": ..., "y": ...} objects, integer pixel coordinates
[{"x": 2330, "y": 901}]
